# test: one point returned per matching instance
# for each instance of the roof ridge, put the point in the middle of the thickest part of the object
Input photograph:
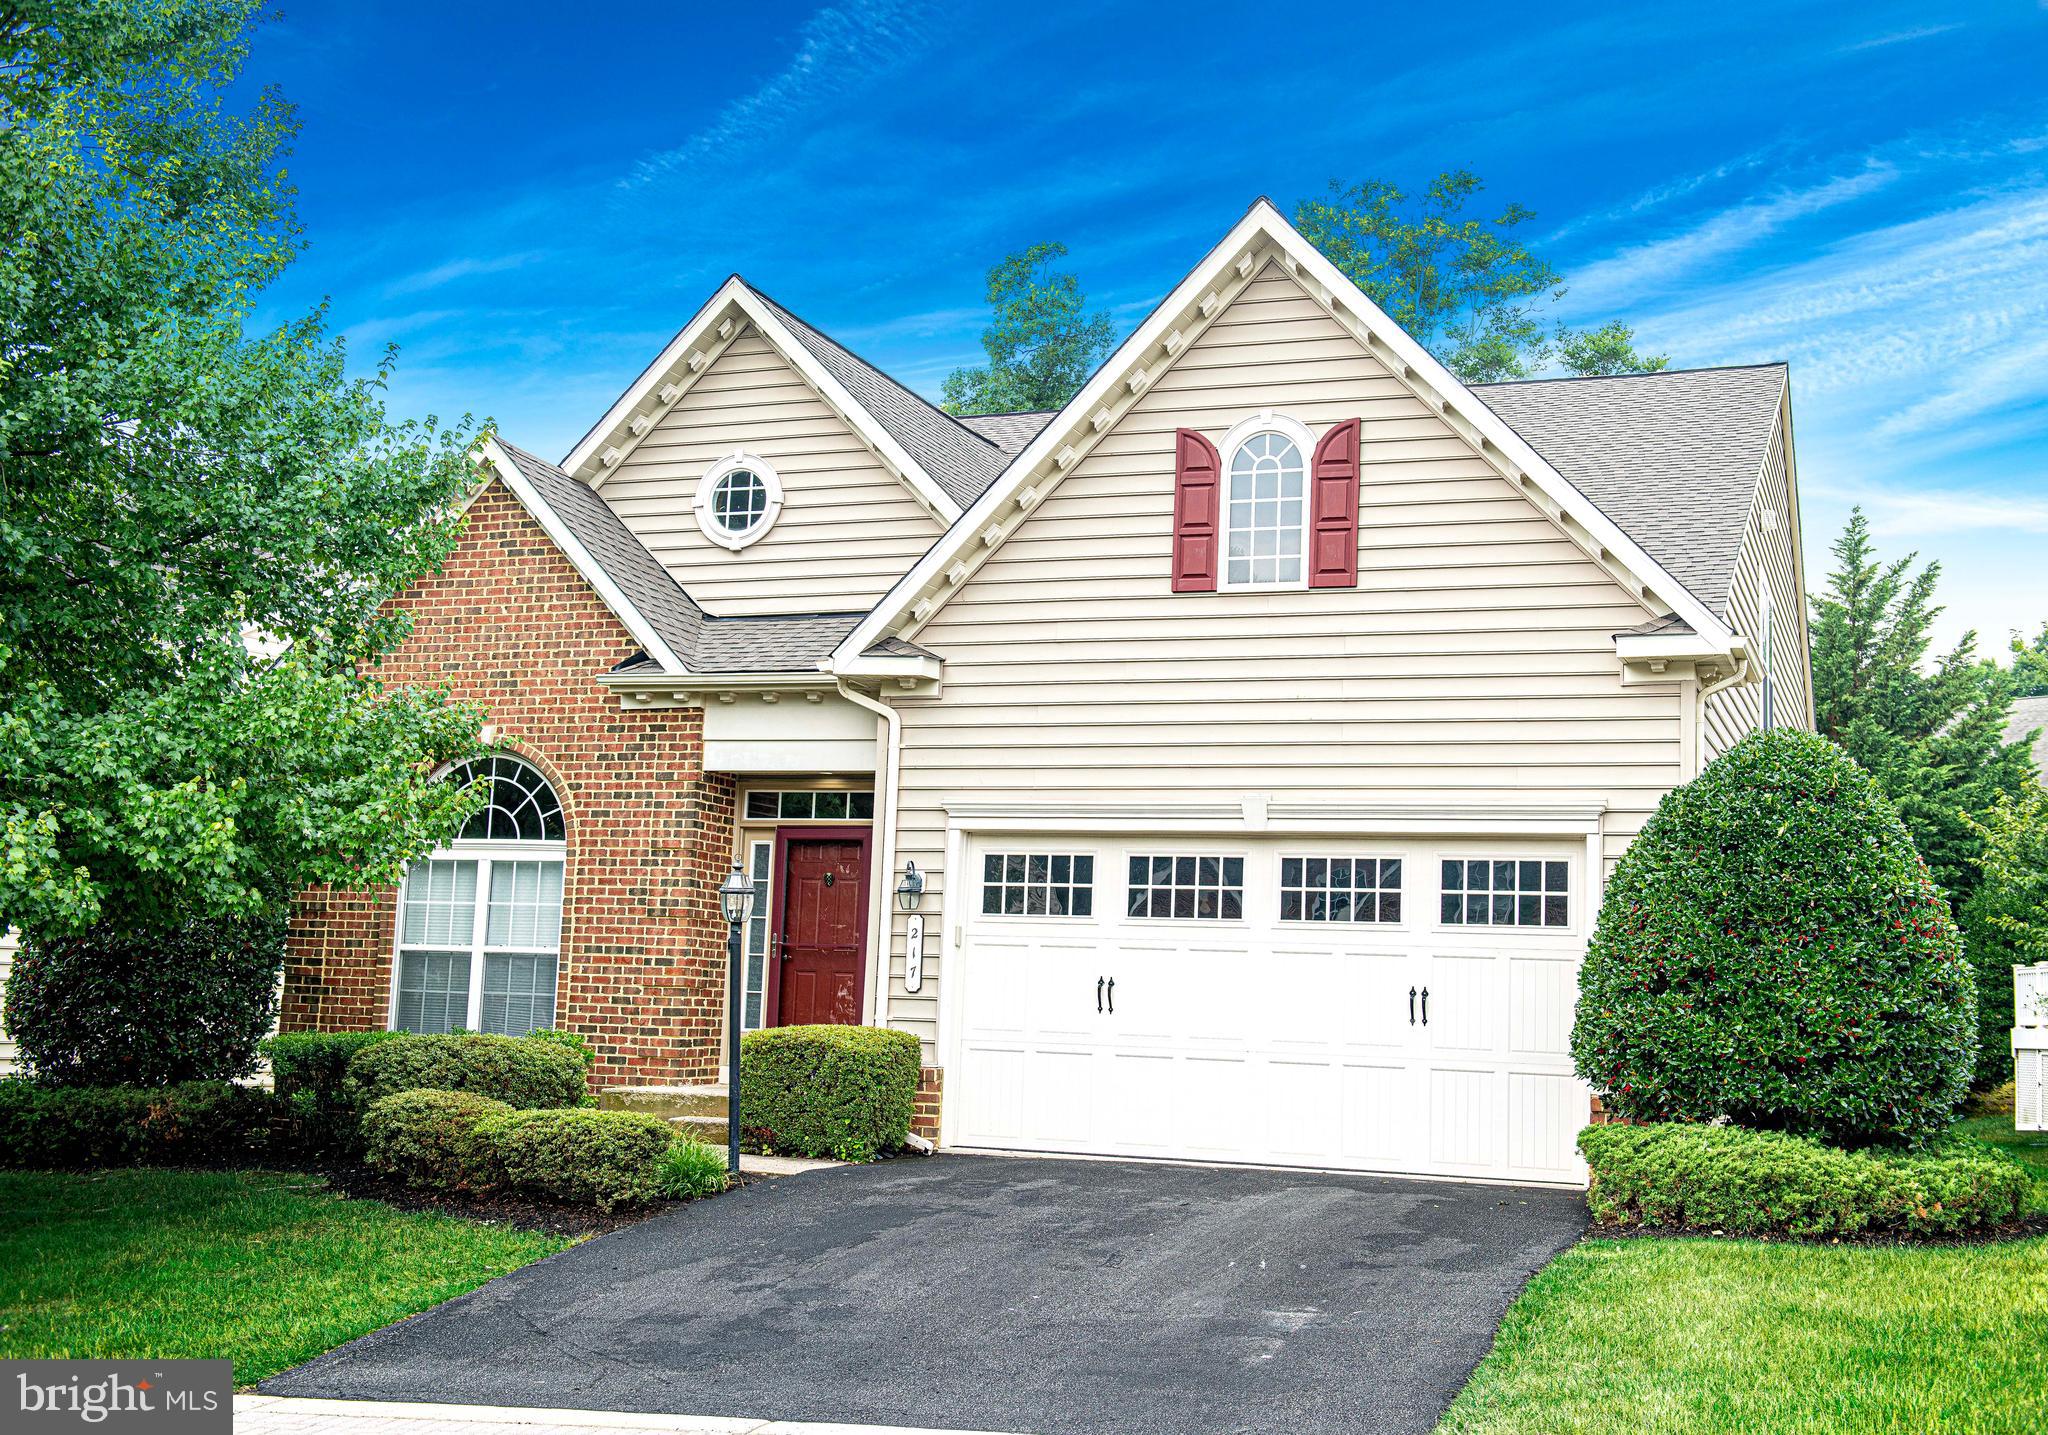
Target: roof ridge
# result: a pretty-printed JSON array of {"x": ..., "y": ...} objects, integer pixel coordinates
[
  {"x": 1647, "y": 374},
  {"x": 786, "y": 312}
]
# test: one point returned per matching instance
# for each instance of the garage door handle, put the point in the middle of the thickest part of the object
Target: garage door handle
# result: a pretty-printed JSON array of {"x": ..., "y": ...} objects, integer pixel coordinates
[
  {"x": 1112, "y": 996},
  {"x": 1098, "y": 994},
  {"x": 1425, "y": 1006},
  {"x": 1411, "y": 1006}
]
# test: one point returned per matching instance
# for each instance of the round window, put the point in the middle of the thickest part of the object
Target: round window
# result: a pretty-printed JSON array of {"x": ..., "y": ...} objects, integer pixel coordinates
[
  {"x": 739, "y": 502},
  {"x": 738, "y": 499}
]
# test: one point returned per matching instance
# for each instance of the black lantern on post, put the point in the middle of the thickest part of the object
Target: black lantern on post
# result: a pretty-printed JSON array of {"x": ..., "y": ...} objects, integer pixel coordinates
[
  {"x": 910, "y": 891},
  {"x": 736, "y": 895}
]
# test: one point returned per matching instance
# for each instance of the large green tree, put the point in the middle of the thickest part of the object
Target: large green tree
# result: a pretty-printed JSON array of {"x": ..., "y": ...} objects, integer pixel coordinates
[
  {"x": 2006, "y": 919},
  {"x": 1464, "y": 286},
  {"x": 1931, "y": 731},
  {"x": 2030, "y": 665},
  {"x": 1042, "y": 342},
  {"x": 200, "y": 522}
]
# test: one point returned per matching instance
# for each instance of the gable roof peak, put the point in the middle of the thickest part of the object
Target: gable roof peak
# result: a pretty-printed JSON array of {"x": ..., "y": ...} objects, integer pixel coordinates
[{"x": 1157, "y": 343}]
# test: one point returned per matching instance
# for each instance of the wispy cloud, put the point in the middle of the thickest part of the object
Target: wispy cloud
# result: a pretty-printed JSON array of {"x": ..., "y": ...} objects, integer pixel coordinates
[
  {"x": 1896, "y": 512},
  {"x": 465, "y": 268},
  {"x": 1643, "y": 269},
  {"x": 841, "y": 49},
  {"x": 1902, "y": 37}
]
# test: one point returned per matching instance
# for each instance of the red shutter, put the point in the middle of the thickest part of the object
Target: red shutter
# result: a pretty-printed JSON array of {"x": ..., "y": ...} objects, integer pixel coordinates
[
  {"x": 1197, "y": 479},
  {"x": 1333, "y": 510}
]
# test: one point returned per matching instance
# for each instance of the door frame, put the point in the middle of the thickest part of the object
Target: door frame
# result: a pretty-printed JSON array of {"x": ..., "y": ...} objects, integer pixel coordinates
[{"x": 771, "y": 990}]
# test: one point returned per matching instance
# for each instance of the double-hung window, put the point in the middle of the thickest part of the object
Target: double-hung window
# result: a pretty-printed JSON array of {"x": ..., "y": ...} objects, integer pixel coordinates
[{"x": 480, "y": 922}]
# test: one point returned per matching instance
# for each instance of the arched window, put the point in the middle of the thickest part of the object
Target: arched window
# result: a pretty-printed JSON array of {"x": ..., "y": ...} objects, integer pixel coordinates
[
  {"x": 523, "y": 808},
  {"x": 480, "y": 921},
  {"x": 1265, "y": 463}
]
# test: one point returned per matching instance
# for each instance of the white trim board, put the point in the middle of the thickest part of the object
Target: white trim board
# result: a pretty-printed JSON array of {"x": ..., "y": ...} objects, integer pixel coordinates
[{"x": 1262, "y": 235}]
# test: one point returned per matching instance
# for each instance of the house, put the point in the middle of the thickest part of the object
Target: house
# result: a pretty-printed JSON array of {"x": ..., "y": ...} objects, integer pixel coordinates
[
  {"x": 2029, "y": 723},
  {"x": 1223, "y": 767}
]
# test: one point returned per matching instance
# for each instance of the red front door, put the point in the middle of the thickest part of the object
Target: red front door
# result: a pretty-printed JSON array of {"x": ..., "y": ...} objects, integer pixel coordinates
[{"x": 823, "y": 942}]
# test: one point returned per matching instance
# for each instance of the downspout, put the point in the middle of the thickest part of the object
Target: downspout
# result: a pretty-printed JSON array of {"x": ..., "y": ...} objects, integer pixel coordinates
[
  {"x": 1740, "y": 674},
  {"x": 885, "y": 815}
]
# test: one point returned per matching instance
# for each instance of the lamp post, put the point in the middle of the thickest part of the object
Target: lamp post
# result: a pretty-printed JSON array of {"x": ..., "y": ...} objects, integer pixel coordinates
[{"x": 736, "y": 895}]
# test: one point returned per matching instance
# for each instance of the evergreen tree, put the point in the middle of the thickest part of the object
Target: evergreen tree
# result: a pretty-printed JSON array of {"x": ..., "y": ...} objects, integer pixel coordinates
[{"x": 1931, "y": 733}]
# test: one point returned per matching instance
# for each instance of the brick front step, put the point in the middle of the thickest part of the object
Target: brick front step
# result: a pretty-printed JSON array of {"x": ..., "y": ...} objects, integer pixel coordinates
[{"x": 675, "y": 1103}]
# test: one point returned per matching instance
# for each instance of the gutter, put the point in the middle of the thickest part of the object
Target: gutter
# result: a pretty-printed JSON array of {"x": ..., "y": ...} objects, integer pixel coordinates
[{"x": 885, "y": 926}]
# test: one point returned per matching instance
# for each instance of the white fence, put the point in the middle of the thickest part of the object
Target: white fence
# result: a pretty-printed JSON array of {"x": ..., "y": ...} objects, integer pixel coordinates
[{"x": 2030, "y": 1046}]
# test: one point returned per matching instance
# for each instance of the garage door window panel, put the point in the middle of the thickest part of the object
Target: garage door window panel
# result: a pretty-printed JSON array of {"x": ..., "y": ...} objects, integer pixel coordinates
[
  {"x": 1340, "y": 889},
  {"x": 1038, "y": 884},
  {"x": 1506, "y": 892},
  {"x": 1186, "y": 887}
]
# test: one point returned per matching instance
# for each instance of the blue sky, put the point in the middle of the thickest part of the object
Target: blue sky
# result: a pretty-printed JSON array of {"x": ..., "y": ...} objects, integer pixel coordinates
[{"x": 530, "y": 201}]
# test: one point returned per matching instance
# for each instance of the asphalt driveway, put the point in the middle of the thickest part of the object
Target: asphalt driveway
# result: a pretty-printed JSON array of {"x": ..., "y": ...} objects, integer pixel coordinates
[{"x": 989, "y": 1293}]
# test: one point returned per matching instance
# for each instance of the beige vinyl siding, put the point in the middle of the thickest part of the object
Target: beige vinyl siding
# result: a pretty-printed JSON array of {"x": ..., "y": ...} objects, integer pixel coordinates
[
  {"x": 1766, "y": 557},
  {"x": 1476, "y": 656},
  {"x": 849, "y": 528}
]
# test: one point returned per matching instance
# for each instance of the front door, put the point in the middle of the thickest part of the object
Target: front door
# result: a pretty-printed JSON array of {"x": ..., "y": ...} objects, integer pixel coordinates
[{"x": 822, "y": 945}]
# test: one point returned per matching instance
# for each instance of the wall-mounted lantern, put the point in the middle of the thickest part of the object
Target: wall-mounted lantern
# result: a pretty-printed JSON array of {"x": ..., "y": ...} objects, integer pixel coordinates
[{"x": 910, "y": 891}]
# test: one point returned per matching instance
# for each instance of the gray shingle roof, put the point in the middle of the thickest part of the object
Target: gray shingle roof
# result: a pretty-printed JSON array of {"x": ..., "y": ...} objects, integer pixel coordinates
[
  {"x": 771, "y": 645},
  {"x": 1670, "y": 625},
  {"x": 960, "y": 461},
  {"x": 1009, "y": 432},
  {"x": 2028, "y": 714},
  {"x": 704, "y": 643},
  {"x": 1673, "y": 458},
  {"x": 670, "y": 611}
]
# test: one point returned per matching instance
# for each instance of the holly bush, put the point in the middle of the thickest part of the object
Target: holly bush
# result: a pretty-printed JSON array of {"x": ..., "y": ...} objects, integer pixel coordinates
[
  {"x": 1772, "y": 951},
  {"x": 116, "y": 1006}
]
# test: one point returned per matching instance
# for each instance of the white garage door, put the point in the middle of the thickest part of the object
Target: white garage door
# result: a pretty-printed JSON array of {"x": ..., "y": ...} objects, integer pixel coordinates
[{"x": 1378, "y": 1005}]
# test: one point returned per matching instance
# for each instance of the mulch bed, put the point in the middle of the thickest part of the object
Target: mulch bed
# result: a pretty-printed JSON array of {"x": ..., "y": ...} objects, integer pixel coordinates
[{"x": 361, "y": 1183}]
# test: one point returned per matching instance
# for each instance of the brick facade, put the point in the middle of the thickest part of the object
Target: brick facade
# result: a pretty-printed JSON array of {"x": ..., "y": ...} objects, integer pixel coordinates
[
  {"x": 924, "y": 1116},
  {"x": 510, "y": 624}
]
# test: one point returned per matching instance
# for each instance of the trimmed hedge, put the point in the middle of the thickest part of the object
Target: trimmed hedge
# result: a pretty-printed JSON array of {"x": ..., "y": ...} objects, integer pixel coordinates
[
  {"x": 515, "y": 1070},
  {"x": 579, "y": 1156},
  {"x": 309, "y": 1070},
  {"x": 1772, "y": 951},
  {"x": 846, "y": 1092},
  {"x": 195, "y": 1123},
  {"x": 431, "y": 1138},
  {"x": 1723, "y": 1178},
  {"x": 112, "y": 1007}
]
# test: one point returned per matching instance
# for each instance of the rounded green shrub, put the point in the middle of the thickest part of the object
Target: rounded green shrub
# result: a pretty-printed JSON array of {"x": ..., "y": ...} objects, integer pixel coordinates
[
  {"x": 579, "y": 1156},
  {"x": 432, "y": 1139},
  {"x": 847, "y": 1092},
  {"x": 309, "y": 1070},
  {"x": 512, "y": 1069},
  {"x": 1723, "y": 1178},
  {"x": 113, "y": 1007},
  {"x": 1772, "y": 950}
]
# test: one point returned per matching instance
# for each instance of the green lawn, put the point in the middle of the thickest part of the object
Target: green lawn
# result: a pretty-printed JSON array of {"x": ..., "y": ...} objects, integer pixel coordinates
[
  {"x": 263, "y": 1267},
  {"x": 1686, "y": 1337}
]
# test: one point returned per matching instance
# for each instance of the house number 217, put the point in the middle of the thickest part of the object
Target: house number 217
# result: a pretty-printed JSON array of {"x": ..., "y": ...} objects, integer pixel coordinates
[{"x": 913, "y": 955}]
